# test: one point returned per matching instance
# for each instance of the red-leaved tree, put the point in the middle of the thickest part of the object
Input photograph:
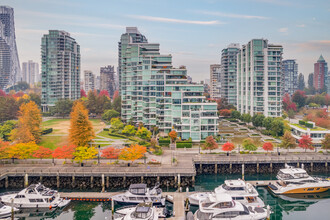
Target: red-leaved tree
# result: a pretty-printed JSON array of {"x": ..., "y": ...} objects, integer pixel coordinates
[
  {"x": 268, "y": 146},
  {"x": 82, "y": 93},
  {"x": 228, "y": 146},
  {"x": 225, "y": 112},
  {"x": 65, "y": 152},
  {"x": 305, "y": 142},
  {"x": 43, "y": 152},
  {"x": 115, "y": 94},
  {"x": 210, "y": 143},
  {"x": 2, "y": 93},
  {"x": 104, "y": 92},
  {"x": 110, "y": 153}
]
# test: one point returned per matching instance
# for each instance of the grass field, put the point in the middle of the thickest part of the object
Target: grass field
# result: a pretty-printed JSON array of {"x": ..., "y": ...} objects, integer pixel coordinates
[
  {"x": 107, "y": 135},
  {"x": 59, "y": 136}
]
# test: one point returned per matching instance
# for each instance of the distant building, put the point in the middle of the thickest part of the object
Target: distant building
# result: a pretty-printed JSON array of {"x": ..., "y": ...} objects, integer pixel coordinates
[
  {"x": 320, "y": 74},
  {"x": 259, "y": 78},
  {"x": 228, "y": 77},
  {"x": 10, "y": 72},
  {"x": 60, "y": 68},
  {"x": 89, "y": 81},
  {"x": 97, "y": 83},
  {"x": 215, "y": 84},
  {"x": 30, "y": 72},
  {"x": 107, "y": 79},
  {"x": 290, "y": 73}
]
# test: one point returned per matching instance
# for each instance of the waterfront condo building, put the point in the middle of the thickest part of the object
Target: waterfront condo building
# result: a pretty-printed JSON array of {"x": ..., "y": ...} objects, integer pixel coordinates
[
  {"x": 60, "y": 68},
  {"x": 108, "y": 79},
  {"x": 157, "y": 94},
  {"x": 228, "y": 77},
  {"x": 30, "y": 72},
  {"x": 320, "y": 74},
  {"x": 89, "y": 80},
  {"x": 259, "y": 78},
  {"x": 215, "y": 84},
  {"x": 290, "y": 76},
  {"x": 10, "y": 72}
]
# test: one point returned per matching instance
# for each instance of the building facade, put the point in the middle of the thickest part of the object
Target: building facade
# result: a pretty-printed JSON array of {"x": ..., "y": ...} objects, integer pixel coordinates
[
  {"x": 215, "y": 84},
  {"x": 259, "y": 78},
  {"x": 10, "y": 72},
  {"x": 107, "y": 79},
  {"x": 89, "y": 81},
  {"x": 320, "y": 74},
  {"x": 60, "y": 68},
  {"x": 157, "y": 94},
  {"x": 228, "y": 77},
  {"x": 290, "y": 73},
  {"x": 30, "y": 72}
]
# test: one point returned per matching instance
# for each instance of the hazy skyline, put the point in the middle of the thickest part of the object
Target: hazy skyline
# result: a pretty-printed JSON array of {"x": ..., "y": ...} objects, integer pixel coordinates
[{"x": 193, "y": 31}]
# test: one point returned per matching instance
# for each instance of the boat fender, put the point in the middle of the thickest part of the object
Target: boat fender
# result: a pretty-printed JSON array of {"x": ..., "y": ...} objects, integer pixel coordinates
[{"x": 50, "y": 207}]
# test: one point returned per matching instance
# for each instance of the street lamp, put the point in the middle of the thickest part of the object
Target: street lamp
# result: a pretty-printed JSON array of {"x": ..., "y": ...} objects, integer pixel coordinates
[{"x": 98, "y": 155}]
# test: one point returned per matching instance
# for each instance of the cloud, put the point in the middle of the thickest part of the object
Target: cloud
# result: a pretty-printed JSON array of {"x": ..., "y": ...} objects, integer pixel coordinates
[
  {"x": 315, "y": 45},
  {"x": 301, "y": 25},
  {"x": 230, "y": 15},
  {"x": 173, "y": 20},
  {"x": 283, "y": 30}
]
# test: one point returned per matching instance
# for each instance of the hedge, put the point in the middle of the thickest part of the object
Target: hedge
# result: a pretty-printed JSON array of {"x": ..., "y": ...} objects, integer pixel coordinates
[
  {"x": 309, "y": 125},
  {"x": 164, "y": 142},
  {"x": 118, "y": 135},
  {"x": 47, "y": 131},
  {"x": 301, "y": 122},
  {"x": 105, "y": 129},
  {"x": 183, "y": 145}
]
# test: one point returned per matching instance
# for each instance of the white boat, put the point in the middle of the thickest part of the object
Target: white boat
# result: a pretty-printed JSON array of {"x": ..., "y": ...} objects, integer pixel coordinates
[
  {"x": 240, "y": 191},
  {"x": 36, "y": 196},
  {"x": 296, "y": 181},
  {"x": 6, "y": 211},
  {"x": 143, "y": 211},
  {"x": 139, "y": 193},
  {"x": 222, "y": 206}
]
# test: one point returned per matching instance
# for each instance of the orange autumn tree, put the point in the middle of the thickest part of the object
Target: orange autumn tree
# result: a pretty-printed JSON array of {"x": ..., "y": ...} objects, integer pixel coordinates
[
  {"x": 81, "y": 130},
  {"x": 110, "y": 153},
  {"x": 43, "y": 152},
  {"x": 65, "y": 152},
  {"x": 4, "y": 147},
  {"x": 228, "y": 146},
  {"x": 22, "y": 150},
  {"x": 132, "y": 153},
  {"x": 268, "y": 146},
  {"x": 210, "y": 144},
  {"x": 173, "y": 135},
  {"x": 28, "y": 127}
]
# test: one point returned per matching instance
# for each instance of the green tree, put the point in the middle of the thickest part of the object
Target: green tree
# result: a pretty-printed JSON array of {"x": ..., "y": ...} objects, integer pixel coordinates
[
  {"x": 91, "y": 103},
  {"x": 62, "y": 107},
  {"x": 129, "y": 130},
  {"x": 277, "y": 127},
  {"x": 246, "y": 117},
  {"x": 249, "y": 145},
  {"x": 257, "y": 120},
  {"x": 35, "y": 98},
  {"x": 326, "y": 142},
  {"x": 109, "y": 114},
  {"x": 235, "y": 114},
  {"x": 22, "y": 86},
  {"x": 6, "y": 128},
  {"x": 267, "y": 123},
  {"x": 103, "y": 104},
  {"x": 83, "y": 153},
  {"x": 8, "y": 108},
  {"x": 299, "y": 98},
  {"x": 116, "y": 125},
  {"x": 117, "y": 104},
  {"x": 143, "y": 133},
  {"x": 288, "y": 141}
]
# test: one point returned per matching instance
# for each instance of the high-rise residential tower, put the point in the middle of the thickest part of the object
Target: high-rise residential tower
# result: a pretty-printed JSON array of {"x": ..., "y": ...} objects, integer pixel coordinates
[
  {"x": 215, "y": 84},
  {"x": 89, "y": 80},
  {"x": 30, "y": 72},
  {"x": 320, "y": 74},
  {"x": 107, "y": 79},
  {"x": 10, "y": 72},
  {"x": 228, "y": 77},
  {"x": 132, "y": 35},
  {"x": 157, "y": 94},
  {"x": 60, "y": 68},
  {"x": 290, "y": 73},
  {"x": 259, "y": 78}
]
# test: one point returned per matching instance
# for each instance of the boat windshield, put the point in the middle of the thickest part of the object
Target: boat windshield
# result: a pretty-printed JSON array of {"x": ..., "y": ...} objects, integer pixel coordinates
[
  {"x": 302, "y": 175},
  {"x": 226, "y": 187},
  {"x": 284, "y": 175},
  {"x": 222, "y": 205},
  {"x": 142, "y": 212}
]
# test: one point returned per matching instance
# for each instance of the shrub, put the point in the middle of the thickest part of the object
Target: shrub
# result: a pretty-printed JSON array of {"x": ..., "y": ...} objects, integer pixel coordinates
[
  {"x": 47, "y": 131},
  {"x": 105, "y": 129},
  {"x": 301, "y": 122},
  {"x": 309, "y": 125},
  {"x": 266, "y": 132},
  {"x": 184, "y": 145}
]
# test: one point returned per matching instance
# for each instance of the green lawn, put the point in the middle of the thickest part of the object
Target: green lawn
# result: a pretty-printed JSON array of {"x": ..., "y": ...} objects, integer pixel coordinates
[
  {"x": 52, "y": 122},
  {"x": 107, "y": 135},
  {"x": 53, "y": 142}
]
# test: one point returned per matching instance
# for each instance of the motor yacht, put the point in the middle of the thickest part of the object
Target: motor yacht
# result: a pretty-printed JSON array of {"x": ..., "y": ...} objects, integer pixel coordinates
[
  {"x": 296, "y": 180},
  {"x": 143, "y": 211},
  {"x": 6, "y": 211},
  {"x": 36, "y": 196},
  {"x": 240, "y": 191},
  {"x": 222, "y": 206},
  {"x": 139, "y": 193}
]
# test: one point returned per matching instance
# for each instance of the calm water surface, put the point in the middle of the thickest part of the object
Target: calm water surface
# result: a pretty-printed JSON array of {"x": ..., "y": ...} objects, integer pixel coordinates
[{"x": 303, "y": 207}]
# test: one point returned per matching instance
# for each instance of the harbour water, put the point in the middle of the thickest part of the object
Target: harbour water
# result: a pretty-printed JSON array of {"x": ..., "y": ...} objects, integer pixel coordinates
[{"x": 303, "y": 207}]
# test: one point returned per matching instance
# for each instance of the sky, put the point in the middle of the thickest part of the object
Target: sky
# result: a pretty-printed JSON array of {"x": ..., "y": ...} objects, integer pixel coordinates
[{"x": 193, "y": 31}]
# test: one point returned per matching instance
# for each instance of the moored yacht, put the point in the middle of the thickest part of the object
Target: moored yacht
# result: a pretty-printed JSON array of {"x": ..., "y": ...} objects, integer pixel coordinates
[
  {"x": 238, "y": 189},
  {"x": 143, "y": 211},
  {"x": 139, "y": 193},
  {"x": 35, "y": 196},
  {"x": 222, "y": 206},
  {"x": 6, "y": 211},
  {"x": 296, "y": 180}
]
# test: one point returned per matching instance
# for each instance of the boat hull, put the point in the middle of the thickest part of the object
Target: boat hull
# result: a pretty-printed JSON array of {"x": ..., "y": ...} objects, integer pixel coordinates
[
  {"x": 303, "y": 190},
  {"x": 122, "y": 203}
]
